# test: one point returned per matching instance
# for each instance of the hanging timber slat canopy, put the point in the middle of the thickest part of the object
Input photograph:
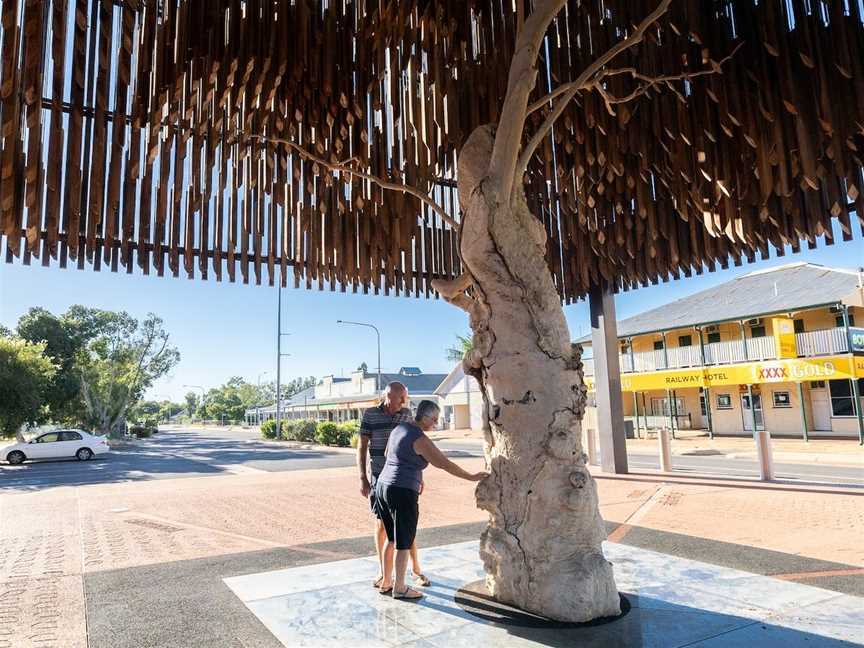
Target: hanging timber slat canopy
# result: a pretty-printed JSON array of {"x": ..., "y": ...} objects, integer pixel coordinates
[{"x": 128, "y": 135}]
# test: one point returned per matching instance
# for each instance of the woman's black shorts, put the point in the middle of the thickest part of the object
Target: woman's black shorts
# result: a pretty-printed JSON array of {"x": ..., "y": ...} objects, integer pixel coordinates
[{"x": 398, "y": 509}]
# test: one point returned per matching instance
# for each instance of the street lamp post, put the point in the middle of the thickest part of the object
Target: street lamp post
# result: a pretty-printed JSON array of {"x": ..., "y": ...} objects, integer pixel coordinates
[
  {"x": 279, "y": 355},
  {"x": 378, "y": 334}
]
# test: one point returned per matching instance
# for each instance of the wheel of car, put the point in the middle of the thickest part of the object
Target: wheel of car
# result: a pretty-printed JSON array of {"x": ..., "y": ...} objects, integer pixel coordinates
[
  {"x": 84, "y": 454},
  {"x": 16, "y": 457}
]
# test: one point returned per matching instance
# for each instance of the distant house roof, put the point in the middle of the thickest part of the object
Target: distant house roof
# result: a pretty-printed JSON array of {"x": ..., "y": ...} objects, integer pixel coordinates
[
  {"x": 305, "y": 395},
  {"x": 410, "y": 371},
  {"x": 786, "y": 288},
  {"x": 452, "y": 379},
  {"x": 419, "y": 384}
]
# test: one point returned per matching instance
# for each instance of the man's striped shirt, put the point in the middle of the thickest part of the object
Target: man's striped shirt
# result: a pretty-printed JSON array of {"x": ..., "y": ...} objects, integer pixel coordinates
[{"x": 377, "y": 424}]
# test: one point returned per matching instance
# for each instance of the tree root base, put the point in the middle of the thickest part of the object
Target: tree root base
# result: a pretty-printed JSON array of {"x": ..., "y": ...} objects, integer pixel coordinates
[{"x": 475, "y": 599}]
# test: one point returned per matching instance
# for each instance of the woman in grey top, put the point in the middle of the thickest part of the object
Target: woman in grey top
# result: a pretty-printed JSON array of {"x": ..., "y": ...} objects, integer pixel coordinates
[{"x": 398, "y": 488}]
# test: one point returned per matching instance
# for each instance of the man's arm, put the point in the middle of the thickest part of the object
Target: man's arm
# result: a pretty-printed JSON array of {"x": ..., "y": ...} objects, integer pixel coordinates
[{"x": 362, "y": 452}]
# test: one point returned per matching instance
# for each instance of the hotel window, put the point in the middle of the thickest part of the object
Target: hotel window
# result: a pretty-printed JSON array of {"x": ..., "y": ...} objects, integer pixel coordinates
[
  {"x": 660, "y": 407},
  {"x": 713, "y": 337},
  {"x": 724, "y": 401},
  {"x": 658, "y": 345},
  {"x": 757, "y": 331},
  {"x": 799, "y": 325},
  {"x": 839, "y": 320},
  {"x": 685, "y": 340},
  {"x": 702, "y": 403},
  {"x": 841, "y": 397},
  {"x": 782, "y": 399}
]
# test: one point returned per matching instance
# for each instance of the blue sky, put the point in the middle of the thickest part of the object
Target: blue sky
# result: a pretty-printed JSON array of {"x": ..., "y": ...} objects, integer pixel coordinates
[{"x": 224, "y": 329}]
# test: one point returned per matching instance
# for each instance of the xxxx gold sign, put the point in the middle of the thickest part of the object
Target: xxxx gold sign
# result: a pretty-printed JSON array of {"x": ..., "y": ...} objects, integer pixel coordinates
[{"x": 769, "y": 371}]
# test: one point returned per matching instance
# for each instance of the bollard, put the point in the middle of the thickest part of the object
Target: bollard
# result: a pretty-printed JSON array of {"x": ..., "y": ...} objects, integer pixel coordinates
[
  {"x": 764, "y": 454},
  {"x": 590, "y": 446},
  {"x": 665, "y": 449}
]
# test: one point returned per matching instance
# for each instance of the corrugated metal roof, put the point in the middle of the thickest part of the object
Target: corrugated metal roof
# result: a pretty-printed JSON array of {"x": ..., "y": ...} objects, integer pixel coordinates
[
  {"x": 422, "y": 384},
  {"x": 786, "y": 288}
]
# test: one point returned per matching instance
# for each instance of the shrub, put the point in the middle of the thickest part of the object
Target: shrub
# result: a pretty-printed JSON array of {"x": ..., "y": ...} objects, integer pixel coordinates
[
  {"x": 292, "y": 429},
  {"x": 352, "y": 426},
  {"x": 349, "y": 434},
  {"x": 327, "y": 433},
  {"x": 141, "y": 430},
  {"x": 306, "y": 431},
  {"x": 268, "y": 429}
]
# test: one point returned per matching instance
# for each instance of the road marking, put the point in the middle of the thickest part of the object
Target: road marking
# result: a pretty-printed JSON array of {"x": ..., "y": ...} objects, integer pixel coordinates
[{"x": 238, "y": 469}]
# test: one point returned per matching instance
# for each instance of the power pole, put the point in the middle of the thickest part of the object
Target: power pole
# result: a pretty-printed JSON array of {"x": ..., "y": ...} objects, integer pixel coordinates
[
  {"x": 279, "y": 361},
  {"x": 279, "y": 356}
]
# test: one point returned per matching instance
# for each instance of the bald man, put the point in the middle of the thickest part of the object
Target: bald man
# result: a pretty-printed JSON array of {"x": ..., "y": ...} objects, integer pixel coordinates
[{"x": 375, "y": 430}]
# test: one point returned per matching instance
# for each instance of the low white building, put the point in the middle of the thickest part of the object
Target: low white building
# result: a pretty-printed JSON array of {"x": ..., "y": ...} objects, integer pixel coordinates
[
  {"x": 344, "y": 399},
  {"x": 461, "y": 401}
]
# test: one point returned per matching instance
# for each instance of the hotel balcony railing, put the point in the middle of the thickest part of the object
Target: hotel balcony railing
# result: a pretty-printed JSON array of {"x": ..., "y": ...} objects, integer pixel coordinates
[
  {"x": 827, "y": 342},
  {"x": 811, "y": 343}
]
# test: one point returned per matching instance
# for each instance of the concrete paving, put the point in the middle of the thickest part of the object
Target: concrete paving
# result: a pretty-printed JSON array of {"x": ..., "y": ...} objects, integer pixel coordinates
[
  {"x": 137, "y": 560},
  {"x": 671, "y": 602}
]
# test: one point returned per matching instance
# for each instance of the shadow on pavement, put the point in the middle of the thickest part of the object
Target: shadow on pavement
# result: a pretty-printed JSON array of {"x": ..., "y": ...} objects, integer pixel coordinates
[{"x": 168, "y": 454}]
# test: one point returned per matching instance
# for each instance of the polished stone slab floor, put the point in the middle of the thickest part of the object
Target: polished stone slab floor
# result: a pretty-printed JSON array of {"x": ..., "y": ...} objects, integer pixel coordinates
[{"x": 675, "y": 603}]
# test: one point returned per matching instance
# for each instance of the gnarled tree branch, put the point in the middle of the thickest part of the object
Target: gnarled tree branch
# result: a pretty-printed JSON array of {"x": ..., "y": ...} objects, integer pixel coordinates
[
  {"x": 520, "y": 83},
  {"x": 649, "y": 82},
  {"x": 342, "y": 167},
  {"x": 584, "y": 81}
]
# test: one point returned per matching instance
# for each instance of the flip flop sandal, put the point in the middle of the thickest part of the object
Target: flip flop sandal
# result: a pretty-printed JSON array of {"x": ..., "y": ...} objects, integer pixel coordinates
[
  {"x": 414, "y": 595},
  {"x": 422, "y": 580},
  {"x": 377, "y": 582},
  {"x": 385, "y": 591}
]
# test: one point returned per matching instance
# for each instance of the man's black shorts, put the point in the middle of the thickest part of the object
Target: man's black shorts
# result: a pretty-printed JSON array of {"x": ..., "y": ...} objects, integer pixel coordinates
[{"x": 398, "y": 509}]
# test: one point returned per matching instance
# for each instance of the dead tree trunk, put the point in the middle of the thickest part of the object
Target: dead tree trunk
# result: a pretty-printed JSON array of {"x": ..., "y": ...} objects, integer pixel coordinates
[{"x": 542, "y": 547}]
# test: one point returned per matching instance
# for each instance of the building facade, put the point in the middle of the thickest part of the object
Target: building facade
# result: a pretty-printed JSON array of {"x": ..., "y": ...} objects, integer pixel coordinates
[
  {"x": 461, "y": 401},
  {"x": 775, "y": 349},
  {"x": 344, "y": 399}
]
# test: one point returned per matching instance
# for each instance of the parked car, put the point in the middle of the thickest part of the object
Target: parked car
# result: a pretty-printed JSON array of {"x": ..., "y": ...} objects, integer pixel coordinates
[{"x": 57, "y": 444}]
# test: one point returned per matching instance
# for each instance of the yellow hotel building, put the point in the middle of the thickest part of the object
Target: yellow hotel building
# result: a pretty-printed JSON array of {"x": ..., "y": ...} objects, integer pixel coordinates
[{"x": 779, "y": 349}]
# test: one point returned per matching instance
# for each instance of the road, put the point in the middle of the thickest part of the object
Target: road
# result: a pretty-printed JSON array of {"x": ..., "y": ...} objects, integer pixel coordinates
[{"x": 199, "y": 453}]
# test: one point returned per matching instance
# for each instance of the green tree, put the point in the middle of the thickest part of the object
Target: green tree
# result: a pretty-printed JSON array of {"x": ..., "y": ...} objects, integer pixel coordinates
[
  {"x": 143, "y": 409},
  {"x": 25, "y": 378},
  {"x": 191, "y": 402},
  {"x": 167, "y": 409},
  {"x": 119, "y": 362},
  {"x": 230, "y": 401},
  {"x": 459, "y": 350},
  {"x": 63, "y": 338}
]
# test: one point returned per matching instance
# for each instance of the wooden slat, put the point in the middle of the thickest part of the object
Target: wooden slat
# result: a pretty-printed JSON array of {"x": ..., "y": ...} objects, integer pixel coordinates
[{"x": 762, "y": 155}]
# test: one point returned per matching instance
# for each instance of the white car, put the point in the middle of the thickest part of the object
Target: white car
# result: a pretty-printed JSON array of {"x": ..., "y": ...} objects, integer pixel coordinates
[{"x": 57, "y": 444}]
